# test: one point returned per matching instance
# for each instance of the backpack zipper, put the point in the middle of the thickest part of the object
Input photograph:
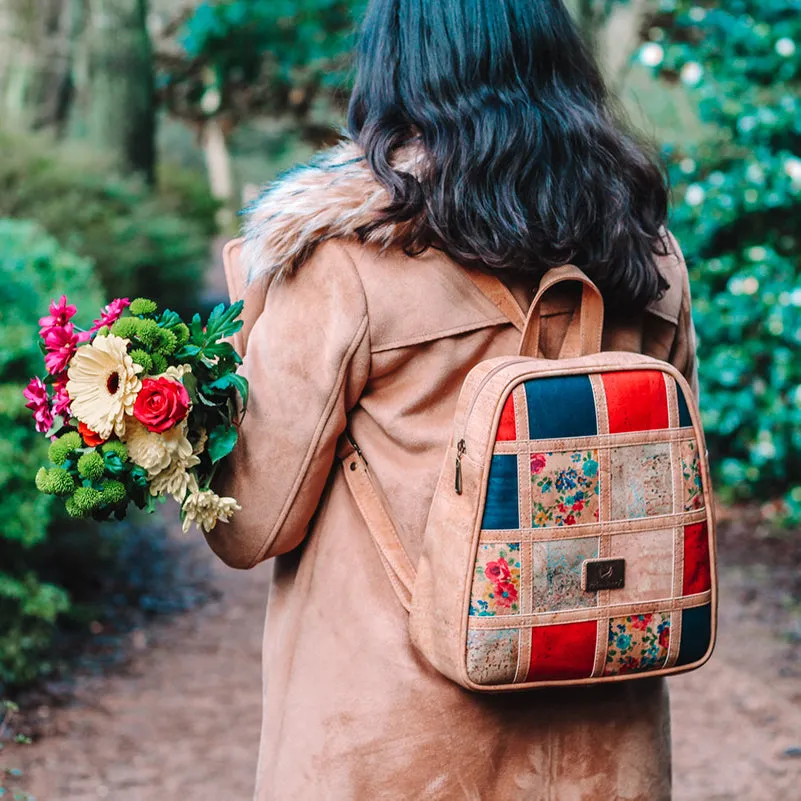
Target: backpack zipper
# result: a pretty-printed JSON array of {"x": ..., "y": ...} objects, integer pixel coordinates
[{"x": 461, "y": 446}]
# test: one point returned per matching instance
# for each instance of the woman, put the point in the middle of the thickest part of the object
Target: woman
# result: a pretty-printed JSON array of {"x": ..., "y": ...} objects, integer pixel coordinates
[{"x": 481, "y": 137}]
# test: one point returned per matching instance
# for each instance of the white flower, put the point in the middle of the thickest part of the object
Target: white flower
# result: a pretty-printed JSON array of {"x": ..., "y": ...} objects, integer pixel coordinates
[
  {"x": 158, "y": 452},
  {"x": 695, "y": 195},
  {"x": 175, "y": 481},
  {"x": 793, "y": 168},
  {"x": 652, "y": 54},
  {"x": 103, "y": 385},
  {"x": 785, "y": 47},
  {"x": 691, "y": 73},
  {"x": 206, "y": 508}
]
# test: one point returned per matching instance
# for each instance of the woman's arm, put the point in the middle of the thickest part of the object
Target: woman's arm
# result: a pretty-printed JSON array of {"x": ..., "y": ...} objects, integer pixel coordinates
[{"x": 307, "y": 361}]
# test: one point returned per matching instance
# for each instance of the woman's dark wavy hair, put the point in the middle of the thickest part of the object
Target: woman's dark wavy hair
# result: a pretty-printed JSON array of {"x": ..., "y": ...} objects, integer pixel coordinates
[{"x": 530, "y": 166}]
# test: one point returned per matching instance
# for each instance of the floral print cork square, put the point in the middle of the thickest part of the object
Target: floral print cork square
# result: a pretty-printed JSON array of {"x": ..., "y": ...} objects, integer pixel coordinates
[
  {"x": 496, "y": 580},
  {"x": 637, "y": 642},
  {"x": 565, "y": 488},
  {"x": 691, "y": 475}
]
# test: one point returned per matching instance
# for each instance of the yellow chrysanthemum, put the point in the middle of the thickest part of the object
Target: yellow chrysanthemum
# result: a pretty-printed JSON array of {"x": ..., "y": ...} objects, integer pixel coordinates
[
  {"x": 103, "y": 385},
  {"x": 158, "y": 452},
  {"x": 206, "y": 508}
]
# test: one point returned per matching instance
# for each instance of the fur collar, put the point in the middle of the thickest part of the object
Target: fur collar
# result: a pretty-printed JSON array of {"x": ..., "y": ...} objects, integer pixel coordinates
[
  {"x": 330, "y": 198},
  {"x": 335, "y": 195}
]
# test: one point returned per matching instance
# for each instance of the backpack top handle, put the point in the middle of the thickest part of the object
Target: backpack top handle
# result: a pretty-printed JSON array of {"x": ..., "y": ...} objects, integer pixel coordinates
[{"x": 583, "y": 337}]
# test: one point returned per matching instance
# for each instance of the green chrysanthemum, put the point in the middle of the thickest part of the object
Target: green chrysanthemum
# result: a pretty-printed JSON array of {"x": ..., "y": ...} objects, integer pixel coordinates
[
  {"x": 113, "y": 493},
  {"x": 142, "y": 306},
  {"x": 181, "y": 332},
  {"x": 64, "y": 447},
  {"x": 127, "y": 327},
  {"x": 91, "y": 466},
  {"x": 168, "y": 342},
  {"x": 60, "y": 482},
  {"x": 104, "y": 331},
  {"x": 139, "y": 356},
  {"x": 159, "y": 364},
  {"x": 148, "y": 333},
  {"x": 86, "y": 500},
  {"x": 116, "y": 447},
  {"x": 73, "y": 510}
]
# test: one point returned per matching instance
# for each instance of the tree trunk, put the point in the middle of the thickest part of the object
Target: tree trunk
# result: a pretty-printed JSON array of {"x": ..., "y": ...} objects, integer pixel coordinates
[
  {"x": 33, "y": 62},
  {"x": 218, "y": 168},
  {"x": 115, "y": 108}
]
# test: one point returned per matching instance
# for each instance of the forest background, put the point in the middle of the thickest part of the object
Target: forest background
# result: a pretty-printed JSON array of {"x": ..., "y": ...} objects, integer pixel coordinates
[{"x": 132, "y": 131}]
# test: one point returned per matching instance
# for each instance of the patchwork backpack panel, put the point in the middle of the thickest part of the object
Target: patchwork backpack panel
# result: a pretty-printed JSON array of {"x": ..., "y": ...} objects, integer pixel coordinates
[{"x": 594, "y": 556}]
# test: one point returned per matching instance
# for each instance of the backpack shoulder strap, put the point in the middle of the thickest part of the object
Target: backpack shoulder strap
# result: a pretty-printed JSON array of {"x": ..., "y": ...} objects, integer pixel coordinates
[{"x": 393, "y": 555}]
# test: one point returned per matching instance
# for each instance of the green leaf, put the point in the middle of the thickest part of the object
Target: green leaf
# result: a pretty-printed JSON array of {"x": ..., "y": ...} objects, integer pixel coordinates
[
  {"x": 221, "y": 442},
  {"x": 232, "y": 380}
]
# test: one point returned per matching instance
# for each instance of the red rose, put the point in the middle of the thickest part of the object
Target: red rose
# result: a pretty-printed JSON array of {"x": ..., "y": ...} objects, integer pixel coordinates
[
  {"x": 161, "y": 404},
  {"x": 498, "y": 571},
  {"x": 89, "y": 436}
]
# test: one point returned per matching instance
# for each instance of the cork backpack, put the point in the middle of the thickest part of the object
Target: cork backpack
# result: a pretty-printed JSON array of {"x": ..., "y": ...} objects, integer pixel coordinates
[{"x": 571, "y": 535}]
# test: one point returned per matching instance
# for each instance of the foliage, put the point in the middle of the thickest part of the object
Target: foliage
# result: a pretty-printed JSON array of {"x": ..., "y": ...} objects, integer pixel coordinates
[
  {"x": 33, "y": 268},
  {"x": 141, "y": 242},
  {"x": 738, "y": 206},
  {"x": 243, "y": 57}
]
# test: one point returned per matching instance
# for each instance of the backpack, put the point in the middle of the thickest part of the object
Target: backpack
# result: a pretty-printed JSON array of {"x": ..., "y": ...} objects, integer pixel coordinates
[{"x": 571, "y": 535}]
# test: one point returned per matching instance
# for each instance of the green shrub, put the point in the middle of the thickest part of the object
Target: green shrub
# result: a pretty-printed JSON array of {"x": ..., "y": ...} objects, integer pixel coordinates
[
  {"x": 141, "y": 242},
  {"x": 33, "y": 270},
  {"x": 738, "y": 199}
]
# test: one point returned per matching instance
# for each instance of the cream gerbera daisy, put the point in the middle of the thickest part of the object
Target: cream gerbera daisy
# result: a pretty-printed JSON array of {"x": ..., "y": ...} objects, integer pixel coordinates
[
  {"x": 158, "y": 452},
  {"x": 206, "y": 508},
  {"x": 103, "y": 384}
]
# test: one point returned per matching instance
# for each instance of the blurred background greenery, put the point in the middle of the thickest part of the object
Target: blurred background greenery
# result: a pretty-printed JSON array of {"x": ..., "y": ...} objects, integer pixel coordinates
[{"x": 133, "y": 131}]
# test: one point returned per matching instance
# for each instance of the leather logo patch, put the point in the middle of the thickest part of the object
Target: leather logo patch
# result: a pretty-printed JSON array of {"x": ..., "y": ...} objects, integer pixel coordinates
[{"x": 604, "y": 574}]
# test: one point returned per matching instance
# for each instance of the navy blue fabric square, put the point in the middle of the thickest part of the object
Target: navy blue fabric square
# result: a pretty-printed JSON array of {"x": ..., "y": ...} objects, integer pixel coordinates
[
  {"x": 684, "y": 412},
  {"x": 501, "y": 508},
  {"x": 563, "y": 406},
  {"x": 696, "y": 632}
]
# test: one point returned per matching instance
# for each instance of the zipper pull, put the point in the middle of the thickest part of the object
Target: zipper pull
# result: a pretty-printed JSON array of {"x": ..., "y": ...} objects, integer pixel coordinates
[{"x": 461, "y": 449}]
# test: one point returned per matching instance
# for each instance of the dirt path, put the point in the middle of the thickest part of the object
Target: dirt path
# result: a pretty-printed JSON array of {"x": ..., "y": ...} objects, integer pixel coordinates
[{"x": 181, "y": 722}]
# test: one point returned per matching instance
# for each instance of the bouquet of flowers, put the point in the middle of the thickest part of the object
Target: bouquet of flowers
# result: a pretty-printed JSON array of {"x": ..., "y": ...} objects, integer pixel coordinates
[{"x": 138, "y": 407}]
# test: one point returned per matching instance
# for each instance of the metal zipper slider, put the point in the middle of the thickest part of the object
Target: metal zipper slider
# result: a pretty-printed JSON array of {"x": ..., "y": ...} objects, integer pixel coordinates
[{"x": 461, "y": 449}]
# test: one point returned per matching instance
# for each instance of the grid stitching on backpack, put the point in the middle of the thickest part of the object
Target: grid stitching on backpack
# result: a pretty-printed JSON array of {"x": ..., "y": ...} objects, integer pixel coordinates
[{"x": 588, "y": 467}]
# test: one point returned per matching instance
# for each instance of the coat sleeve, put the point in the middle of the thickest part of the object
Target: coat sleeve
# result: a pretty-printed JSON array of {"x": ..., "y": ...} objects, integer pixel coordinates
[
  {"x": 683, "y": 354},
  {"x": 307, "y": 361}
]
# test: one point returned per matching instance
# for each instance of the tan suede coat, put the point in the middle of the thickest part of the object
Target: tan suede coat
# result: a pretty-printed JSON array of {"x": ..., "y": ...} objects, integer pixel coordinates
[{"x": 361, "y": 335}]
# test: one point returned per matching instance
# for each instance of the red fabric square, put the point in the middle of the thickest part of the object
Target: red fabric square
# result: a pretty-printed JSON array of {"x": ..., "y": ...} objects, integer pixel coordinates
[
  {"x": 562, "y": 652},
  {"x": 697, "y": 569},
  {"x": 636, "y": 399},
  {"x": 507, "y": 431}
]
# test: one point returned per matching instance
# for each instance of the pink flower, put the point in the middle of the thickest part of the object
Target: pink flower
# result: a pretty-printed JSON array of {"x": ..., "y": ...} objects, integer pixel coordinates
[
  {"x": 61, "y": 400},
  {"x": 110, "y": 314},
  {"x": 39, "y": 403},
  {"x": 537, "y": 462},
  {"x": 60, "y": 342},
  {"x": 60, "y": 315}
]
